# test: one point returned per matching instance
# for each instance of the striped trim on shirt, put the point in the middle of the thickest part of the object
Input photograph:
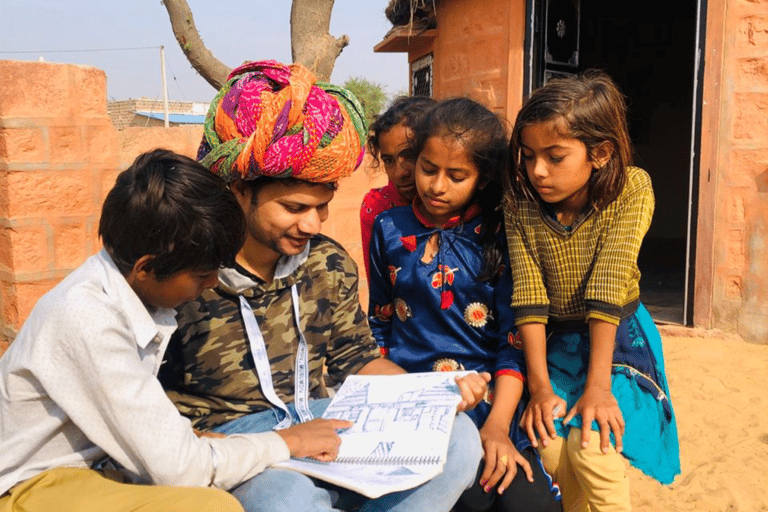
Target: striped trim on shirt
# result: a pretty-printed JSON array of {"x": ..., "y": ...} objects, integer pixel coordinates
[{"x": 587, "y": 271}]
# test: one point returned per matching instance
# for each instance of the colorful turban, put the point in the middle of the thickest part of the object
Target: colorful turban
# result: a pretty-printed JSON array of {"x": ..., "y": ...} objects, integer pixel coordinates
[{"x": 274, "y": 120}]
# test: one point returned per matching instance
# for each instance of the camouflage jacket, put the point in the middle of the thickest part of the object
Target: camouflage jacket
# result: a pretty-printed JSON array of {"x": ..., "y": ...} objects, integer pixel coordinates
[{"x": 209, "y": 371}]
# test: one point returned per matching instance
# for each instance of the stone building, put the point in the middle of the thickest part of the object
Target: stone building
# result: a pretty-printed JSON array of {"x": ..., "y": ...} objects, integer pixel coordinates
[
  {"x": 145, "y": 112},
  {"x": 695, "y": 73}
]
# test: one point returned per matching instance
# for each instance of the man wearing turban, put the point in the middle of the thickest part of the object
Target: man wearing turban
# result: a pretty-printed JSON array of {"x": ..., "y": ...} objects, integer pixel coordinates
[{"x": 251, "y": 354}]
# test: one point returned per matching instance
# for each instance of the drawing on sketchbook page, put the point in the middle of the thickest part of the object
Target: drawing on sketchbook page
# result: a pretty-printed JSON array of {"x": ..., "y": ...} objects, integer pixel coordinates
[{"x": 430, "y": 409}]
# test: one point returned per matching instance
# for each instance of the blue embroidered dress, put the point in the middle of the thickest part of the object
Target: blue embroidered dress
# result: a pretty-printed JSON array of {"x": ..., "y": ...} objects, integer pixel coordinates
[{"x": 438, "y": 315}]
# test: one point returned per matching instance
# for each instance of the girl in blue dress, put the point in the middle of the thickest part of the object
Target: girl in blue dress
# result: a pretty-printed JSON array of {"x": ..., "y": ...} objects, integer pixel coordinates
[
  {"x": 576, "y": 216},
  {"x": 440, "y": 289}
]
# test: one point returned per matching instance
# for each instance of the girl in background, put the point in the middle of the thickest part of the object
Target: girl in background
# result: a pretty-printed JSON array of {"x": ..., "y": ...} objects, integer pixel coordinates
[
  {"x": 575, "y": 218},
  {"x": 440, "y": 288},
  {"x": 390, "y": 142}
]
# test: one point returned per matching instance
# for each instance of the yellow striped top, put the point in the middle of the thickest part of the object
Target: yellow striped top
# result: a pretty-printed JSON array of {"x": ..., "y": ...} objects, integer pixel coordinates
[{"x": 587, "y": 271}]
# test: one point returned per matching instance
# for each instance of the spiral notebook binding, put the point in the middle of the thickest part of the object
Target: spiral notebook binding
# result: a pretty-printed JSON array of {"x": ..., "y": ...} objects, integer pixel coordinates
[{"x": 407, "y": 460}]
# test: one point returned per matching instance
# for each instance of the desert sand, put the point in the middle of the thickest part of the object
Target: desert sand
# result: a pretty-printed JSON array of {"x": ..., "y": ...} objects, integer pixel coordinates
[{"x": 719, "y": 389}]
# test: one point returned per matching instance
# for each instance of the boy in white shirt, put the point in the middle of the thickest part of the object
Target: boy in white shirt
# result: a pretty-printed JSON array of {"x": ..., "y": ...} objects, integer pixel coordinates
[{"x": 78, "y": 385}]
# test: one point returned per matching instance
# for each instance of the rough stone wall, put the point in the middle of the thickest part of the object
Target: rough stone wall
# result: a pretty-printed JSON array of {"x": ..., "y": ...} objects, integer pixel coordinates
[
  {"x": 60, "y": 155},
  {"x": 58, "y": 158},
  {"x": 740, "y": 226},
  {"x": 479, "y": 52}
]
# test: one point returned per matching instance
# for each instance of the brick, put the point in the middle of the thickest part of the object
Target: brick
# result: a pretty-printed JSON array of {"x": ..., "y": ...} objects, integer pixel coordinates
[
  {"x": 101, "y": 143},
  {"x": 29, "y": 246},
  {"x": 66, "y": 145},
  {"x": 733, "y": 287},
  {"x": 752, "y": 73},
  {"x": 752, "y": 32},
  {"x": 745, "y": 166},
  {"x": 92, "y": 91},
  {"x": 10, "y": 305},
  {"x": 4, "y": 201},
  {"x": 71, "y": 242},
  {"x": 750, "y": 116},
  {"x": 735, "y": 249},
  {"x": 34, "y": 89},
  {"x": 736, "y": 209},
  {"x": 35, "y": 193},
  {"x": 22, "y": 145},
  {"x": 6, "y": 250}
]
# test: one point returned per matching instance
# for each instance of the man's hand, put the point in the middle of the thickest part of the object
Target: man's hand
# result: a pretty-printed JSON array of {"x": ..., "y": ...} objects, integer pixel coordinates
[
  {"x": 473, "y": 387},
  {"x": 316, "y": 438}
]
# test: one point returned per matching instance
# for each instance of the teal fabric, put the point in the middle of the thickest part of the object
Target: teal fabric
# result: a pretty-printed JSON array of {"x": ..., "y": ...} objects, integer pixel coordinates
[{"x": 639, "y": 384}]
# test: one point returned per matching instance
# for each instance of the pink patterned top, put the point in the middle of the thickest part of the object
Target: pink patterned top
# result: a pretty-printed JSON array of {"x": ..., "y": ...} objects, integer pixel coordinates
[{"x": 376, "y": 201}]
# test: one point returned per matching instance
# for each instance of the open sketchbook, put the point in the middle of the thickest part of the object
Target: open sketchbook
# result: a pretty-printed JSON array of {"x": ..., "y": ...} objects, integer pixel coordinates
[{"x": 402, "y": 425}]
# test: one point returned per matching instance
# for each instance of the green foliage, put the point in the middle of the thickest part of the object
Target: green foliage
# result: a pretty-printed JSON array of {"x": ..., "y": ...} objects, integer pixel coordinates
[{"x": 371, "y": 96}]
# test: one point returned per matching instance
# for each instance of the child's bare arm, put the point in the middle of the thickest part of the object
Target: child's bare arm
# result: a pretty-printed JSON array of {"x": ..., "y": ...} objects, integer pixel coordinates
[
  {"x": 501, "y": 456},
  {"x": 544, "y": 404},
  {"x": 597, "y": 402}
]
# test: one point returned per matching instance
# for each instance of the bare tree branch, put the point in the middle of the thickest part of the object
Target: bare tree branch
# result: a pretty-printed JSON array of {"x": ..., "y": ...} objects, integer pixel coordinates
[
  {"x": 311, "y": 43},
  {"x": 210, "y": 68}
]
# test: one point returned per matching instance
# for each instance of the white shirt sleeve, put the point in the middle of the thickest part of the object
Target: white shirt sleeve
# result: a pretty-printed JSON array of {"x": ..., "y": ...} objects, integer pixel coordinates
[{"x": 96, "y": 373}]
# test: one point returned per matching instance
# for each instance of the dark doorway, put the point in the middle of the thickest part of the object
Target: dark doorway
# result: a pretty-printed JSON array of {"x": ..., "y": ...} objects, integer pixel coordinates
[{"x": 649, "y": 49}]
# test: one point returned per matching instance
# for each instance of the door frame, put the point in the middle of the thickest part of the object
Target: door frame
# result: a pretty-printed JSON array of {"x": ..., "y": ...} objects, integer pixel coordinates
[{"x": 534, "y": 16}]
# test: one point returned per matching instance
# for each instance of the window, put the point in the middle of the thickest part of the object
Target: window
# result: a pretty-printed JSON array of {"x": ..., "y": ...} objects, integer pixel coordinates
[{"x": 421, "y": 76}]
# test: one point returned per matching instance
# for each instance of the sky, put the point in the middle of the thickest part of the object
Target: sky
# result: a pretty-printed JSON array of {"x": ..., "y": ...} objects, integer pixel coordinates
[{"x": 234, "y": 30}]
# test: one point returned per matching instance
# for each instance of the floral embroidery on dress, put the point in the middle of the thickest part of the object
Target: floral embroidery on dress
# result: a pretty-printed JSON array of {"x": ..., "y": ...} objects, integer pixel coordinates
[
  {"x": 635, "y": 333},
  {"x": 409, "y": 242},
  {"x": 477, "y": 314},
  {"x": 478, "y": 228},
  {"x": 515, "y": 340},
  {"x": 402, "y": 309},
  {"x": 447, "y": 365},
  {"x": 384, "y": 313},
  {"x": 446, "y": 299},
  {"x": 449, "y": 273},
  {"x": 393, "y": 273},
  {"x": 443, "y": 273}
]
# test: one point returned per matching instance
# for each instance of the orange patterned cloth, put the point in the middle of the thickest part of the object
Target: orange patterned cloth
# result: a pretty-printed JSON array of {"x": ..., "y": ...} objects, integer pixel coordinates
[{"x": 272, "y": 119}]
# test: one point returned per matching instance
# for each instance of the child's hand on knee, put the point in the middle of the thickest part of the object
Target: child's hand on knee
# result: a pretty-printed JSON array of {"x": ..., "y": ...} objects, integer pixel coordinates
[
  {"x": 600, "y": 405},
  {"x": 539, "y": 417}
]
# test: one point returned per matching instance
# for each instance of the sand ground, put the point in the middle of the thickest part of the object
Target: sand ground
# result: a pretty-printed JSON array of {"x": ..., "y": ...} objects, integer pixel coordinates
[{"x": 718, "y": 385}]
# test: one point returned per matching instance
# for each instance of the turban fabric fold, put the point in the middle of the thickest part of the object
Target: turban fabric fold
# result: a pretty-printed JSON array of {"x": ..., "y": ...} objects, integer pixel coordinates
[{"x": 272, "y": 119}]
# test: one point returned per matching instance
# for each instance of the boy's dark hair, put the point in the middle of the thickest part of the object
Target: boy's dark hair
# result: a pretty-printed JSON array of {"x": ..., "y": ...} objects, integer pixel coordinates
[
  {"x": 588, "y": 107},
  {"x": 174, "y": 209},
  {"x": 404, "y": 109},
  {"x": 482, "y": 134}
]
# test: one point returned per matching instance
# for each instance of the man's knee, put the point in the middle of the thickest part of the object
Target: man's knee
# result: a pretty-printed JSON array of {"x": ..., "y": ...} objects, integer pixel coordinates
[
  {"x": 465, "y": 449},
  {"x": 278, "y": 490}
]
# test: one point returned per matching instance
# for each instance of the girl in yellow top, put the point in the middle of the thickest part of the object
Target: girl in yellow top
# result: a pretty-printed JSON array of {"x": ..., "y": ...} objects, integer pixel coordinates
[{"x": 576, "y": 213}]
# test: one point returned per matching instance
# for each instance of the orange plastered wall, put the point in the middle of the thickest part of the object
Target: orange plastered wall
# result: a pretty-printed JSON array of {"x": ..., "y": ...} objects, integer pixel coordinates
[
  {"x": 733, "y": 210},
  {"x": 60, "y": 155}
]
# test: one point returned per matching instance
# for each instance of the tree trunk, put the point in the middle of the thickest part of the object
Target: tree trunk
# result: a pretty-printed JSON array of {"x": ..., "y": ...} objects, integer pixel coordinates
[
  {"x": 210, "y": 68},
  {"x": 311, "y": 43}
]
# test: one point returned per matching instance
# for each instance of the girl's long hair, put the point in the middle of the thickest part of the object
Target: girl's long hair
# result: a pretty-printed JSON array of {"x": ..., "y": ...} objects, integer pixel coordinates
[
  {"x": 588, "y": 107},
  {"x": 481, "y": 133}
]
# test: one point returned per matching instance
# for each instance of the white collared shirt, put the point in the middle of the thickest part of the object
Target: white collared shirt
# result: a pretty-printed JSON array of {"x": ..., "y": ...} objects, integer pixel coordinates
[{"x": 79, "y": 382}]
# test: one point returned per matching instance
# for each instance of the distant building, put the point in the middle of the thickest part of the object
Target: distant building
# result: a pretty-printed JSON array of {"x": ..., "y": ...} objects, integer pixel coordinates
[{"x": 149, "y": 112}]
